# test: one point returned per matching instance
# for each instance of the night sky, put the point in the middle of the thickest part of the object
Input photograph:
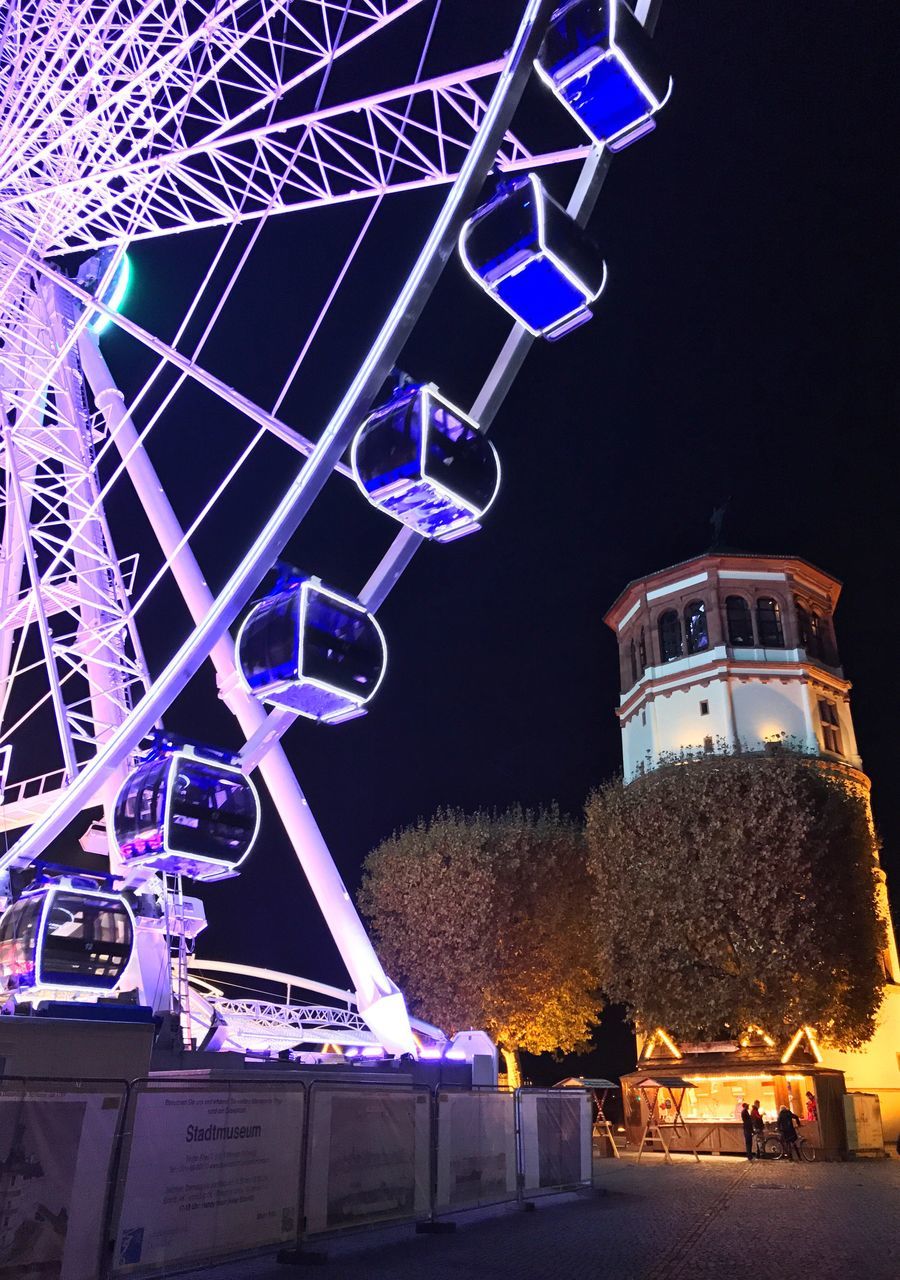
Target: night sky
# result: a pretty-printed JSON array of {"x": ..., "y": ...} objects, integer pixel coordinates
[{"x": 744, "y": 350}]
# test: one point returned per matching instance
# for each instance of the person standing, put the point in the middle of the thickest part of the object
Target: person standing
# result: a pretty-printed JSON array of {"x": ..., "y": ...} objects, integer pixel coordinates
[
  {"x": 756, "y": 1121},
  {"x": 787, "y": 1128},
  {"x": 812, "y": 1111},
  {"x": 747, "y": 1122}
]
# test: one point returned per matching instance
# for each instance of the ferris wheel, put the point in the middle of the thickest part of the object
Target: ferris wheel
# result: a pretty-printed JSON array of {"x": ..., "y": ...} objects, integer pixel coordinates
[{"x": 130, "y": 122}]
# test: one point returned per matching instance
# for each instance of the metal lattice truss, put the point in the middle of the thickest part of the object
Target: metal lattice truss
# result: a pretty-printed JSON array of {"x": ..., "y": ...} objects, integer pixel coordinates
[
  {"x": 90, "y": 88},
  {"x": 280, "y": 1021},
  {"x": 64, "y": 608},
  {"x": 294, "y": 1023},
  {"x": 187, "y": 127}
]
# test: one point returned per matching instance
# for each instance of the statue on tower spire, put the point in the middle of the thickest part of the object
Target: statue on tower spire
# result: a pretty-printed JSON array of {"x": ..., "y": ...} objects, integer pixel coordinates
[{"x": 716, "y": 520}]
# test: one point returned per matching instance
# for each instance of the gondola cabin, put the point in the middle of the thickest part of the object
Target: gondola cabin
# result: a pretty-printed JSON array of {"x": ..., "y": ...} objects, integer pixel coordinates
[
  {"x": 60, "y": 937},
  {"x": 598, "y": 60},
  {"x": 187, "y": 814},
  {"x": 423, "y": 461},
  {"x": 312, "y": 650},
  {"x": 527, "y": 253}
]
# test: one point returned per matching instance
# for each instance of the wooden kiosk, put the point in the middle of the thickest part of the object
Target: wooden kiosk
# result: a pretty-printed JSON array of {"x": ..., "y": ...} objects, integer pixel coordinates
[
  {"x": 600, "y": 1091},
  {"x": 719, "y": 1076}
]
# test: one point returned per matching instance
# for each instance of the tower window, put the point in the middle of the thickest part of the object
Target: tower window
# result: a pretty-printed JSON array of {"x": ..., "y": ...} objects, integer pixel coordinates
[
  {"x": 642, "y": 650},
  {"x": 669, "y": 636},
  {"x": 740, "y": 625},
  {"x": 768, "y": 623},
  {"x": 810, "y": 632},
  {"x": 634, "y": 670},
  {"x": 704, "y": 708},
  {"x": 695, "y": 628},
  {"x": 831, "y": 727}
]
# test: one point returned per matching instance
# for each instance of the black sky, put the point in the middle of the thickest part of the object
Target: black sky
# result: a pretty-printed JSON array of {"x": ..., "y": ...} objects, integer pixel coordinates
[{"x": 744, "y": 349}]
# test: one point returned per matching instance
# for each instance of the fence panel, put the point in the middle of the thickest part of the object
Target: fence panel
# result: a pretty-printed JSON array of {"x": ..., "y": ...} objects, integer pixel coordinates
[
  {"x": 210, "y": 1170},
  {"x": 475, "y": 1161},
  {"x": 368, "y": 1156},
  {"x": 57, "y": 1143},
  {"x": 554, "y": 1139}
]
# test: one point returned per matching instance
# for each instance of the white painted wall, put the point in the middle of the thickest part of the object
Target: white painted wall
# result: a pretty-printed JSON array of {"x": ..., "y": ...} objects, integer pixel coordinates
[{"x": 754, "y": 710}]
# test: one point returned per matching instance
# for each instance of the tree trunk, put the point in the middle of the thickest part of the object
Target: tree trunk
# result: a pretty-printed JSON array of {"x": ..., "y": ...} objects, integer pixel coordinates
[{"x": 511, "y": 1062}]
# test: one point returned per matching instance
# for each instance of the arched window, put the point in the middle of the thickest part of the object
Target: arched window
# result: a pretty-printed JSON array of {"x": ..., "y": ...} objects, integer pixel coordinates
[
  {"x": 809, "y": 630},
  {"x": 768, "y": 623},
  {"x": 642, "y": 650},
  {"x": 669, "y": 636},
  {"x": 634, "y": 670},
  {"x": 696, "y": 630},
  {"x": 740, "y": 625},
  {"x": 828, "y": 643}
]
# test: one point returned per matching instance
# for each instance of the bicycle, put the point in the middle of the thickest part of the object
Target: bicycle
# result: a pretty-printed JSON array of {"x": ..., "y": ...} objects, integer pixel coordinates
[{"x": 771, "y": 1146}]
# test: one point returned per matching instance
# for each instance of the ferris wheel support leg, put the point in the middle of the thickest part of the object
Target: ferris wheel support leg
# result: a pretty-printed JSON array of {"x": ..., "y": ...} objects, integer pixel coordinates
[{"x": 378, "y": 999}]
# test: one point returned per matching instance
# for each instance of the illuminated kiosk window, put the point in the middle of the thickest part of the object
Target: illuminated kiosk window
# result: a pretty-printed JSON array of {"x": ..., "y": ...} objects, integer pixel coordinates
[
  {"x": 598, "y": 60},
  {"x": 312, "y": 650},
  {"x": 423, "y": 461},
  {"x": 186, "y": 814},
  {"x": 527, "y": 253},
  {"x": 58, "y": 937}
]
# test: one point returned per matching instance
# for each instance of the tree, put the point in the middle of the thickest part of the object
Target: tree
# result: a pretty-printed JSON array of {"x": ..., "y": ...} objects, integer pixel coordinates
[
  {"x": 735, "y": 890},
  {"x": 485, "y": 921}
]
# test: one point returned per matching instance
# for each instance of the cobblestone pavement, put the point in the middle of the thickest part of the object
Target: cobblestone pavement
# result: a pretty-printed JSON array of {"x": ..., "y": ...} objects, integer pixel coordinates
[{"x": 722, "y": 1219}]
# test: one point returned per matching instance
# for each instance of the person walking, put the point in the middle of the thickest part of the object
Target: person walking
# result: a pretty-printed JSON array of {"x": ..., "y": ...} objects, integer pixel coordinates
[
  {"x": 787, "y": 1128},
  {"x": 747, "y": 1122}
]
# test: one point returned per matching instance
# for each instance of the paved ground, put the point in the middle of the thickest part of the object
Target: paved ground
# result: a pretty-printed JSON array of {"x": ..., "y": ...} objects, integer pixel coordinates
[{"x": 724, "y": 1219}]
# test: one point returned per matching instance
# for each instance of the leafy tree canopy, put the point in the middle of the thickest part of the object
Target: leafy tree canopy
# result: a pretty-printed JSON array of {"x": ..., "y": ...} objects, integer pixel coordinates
[
  {"x": 738, "y": 890},
  {"x": 485, "y": 921}
]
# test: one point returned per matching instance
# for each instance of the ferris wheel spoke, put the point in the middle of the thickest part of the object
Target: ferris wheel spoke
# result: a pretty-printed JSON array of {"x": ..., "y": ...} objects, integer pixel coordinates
[{"x": 248, "y": 408}]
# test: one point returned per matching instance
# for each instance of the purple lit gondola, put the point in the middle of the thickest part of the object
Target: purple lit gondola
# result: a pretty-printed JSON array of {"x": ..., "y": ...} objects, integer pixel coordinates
[
  {"x": 312, "y": 650},
  {"x": 598, "y": 60},
  {"x": 65, "y": 936},
  {"x": 183, "y": 812},
  {"x": 423, "y": 461}
]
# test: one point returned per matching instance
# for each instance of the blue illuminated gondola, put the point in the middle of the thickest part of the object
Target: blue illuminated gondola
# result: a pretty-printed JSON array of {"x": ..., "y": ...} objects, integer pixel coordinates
[
  {"x": 185, "y": 812},
  {"x": 598, "y": 60},
  {"x": 535, "y": 260},
  {"x": 312, "y": 650},
  {"x": 65, "y": 935},
  {"x": 423, "y": 461}
]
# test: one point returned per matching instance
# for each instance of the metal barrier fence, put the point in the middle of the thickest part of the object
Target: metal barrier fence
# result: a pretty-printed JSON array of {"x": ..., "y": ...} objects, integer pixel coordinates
[
  {"x": 58, "y": 1143},
  {"x": 105, "y": 1179},
  {"x": 368, "y": 1156},
  {"x": 554, "y": 1139},
  {"x": 209, "y": 1171},
  {"x": 475, "y": 1149}
]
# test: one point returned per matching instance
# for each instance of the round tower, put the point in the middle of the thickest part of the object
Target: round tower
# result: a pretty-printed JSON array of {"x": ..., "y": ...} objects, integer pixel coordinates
[
  {"x": 737, "y": 652},
  {"x": 730, "y": 652}
]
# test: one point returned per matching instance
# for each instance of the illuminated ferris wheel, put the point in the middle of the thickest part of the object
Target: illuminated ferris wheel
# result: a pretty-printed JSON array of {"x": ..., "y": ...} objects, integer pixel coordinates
[{"x": 127, "y": 122}]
